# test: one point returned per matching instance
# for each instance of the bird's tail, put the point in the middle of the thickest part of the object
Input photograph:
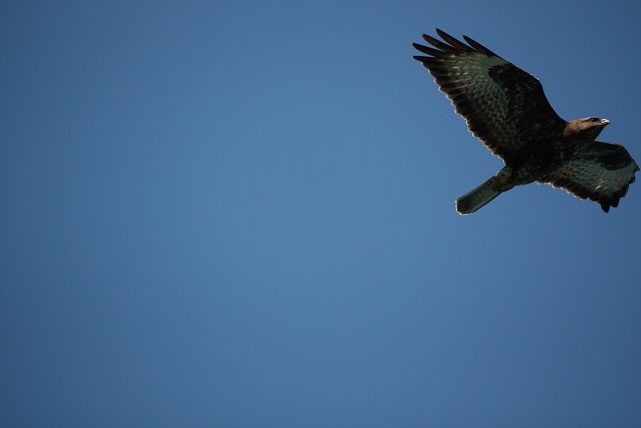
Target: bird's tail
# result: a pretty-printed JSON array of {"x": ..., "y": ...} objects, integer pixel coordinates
[{"x": 477, "y": 198}]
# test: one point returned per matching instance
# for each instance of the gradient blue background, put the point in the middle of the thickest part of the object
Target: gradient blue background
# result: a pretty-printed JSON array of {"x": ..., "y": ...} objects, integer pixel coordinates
[{"x": 241, "y": 214}]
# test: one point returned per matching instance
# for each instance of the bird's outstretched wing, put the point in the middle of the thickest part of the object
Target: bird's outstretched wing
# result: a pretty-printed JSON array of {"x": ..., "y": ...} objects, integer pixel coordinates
[
  {"x": 599, "y": 171},
  {"x": 504, "y": 106}
]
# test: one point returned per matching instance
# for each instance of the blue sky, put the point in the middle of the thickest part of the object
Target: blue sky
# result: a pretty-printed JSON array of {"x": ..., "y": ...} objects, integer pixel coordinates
[{"x": 241, "y": 214}]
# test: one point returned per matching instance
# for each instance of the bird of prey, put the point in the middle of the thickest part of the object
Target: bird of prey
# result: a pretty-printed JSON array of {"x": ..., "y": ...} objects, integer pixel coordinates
[{"x": 506, "y": 109}]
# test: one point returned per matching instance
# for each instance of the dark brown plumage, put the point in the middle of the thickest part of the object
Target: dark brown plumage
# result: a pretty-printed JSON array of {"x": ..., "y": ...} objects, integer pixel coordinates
[{"x": 506, "y": 109}]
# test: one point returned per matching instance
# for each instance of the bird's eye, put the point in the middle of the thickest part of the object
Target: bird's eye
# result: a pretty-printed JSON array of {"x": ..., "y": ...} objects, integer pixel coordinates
[{"x": 595, "y": 119}]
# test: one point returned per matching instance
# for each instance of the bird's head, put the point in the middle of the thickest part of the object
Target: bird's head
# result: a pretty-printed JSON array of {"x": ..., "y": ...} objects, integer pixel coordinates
[{"x": 589, "y": 127}]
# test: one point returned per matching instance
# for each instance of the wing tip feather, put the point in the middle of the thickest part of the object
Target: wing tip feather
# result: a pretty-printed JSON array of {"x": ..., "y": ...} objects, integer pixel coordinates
[{"x": 450, "y": 45}]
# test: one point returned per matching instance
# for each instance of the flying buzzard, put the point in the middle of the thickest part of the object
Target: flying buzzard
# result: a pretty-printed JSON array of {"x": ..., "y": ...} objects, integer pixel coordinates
[{"x": 506, "y": 109}]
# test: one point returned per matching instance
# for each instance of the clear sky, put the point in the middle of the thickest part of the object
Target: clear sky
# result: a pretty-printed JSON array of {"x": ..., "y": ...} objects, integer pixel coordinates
[{"x": 241, "y": 214}]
